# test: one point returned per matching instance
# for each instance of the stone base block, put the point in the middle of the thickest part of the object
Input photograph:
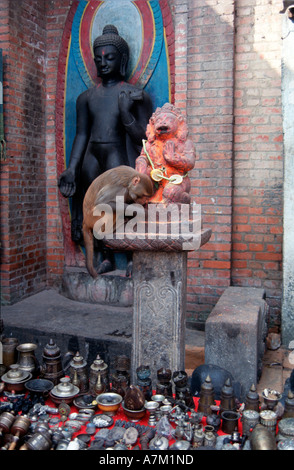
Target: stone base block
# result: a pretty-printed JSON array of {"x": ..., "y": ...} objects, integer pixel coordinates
[
  {"x": 235, "y": 334},
  {"x": 112, "y": 288}
]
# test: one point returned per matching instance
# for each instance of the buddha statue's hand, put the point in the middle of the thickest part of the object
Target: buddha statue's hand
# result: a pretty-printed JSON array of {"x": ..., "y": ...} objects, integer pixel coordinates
[
  {"x": 125, "y": 102},
  {"x": 66, "y": 183}
]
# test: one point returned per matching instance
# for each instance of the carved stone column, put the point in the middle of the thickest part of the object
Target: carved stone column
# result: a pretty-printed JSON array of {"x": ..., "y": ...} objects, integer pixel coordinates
[
  {"x": 159, "y": 311},
  {"x": 159, "y": 284}
]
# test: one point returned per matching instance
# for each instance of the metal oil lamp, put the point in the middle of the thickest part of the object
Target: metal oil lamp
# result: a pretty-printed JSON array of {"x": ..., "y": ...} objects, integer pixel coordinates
[
  {"x": 52, "y": 365},
  {"x": 206, "y": 399},
  {"x": 98, "y": 370},
  {"x": 78, "y": 373},
  {"x": 227, "y": 399},
  {"x": 252, "y": 399}
]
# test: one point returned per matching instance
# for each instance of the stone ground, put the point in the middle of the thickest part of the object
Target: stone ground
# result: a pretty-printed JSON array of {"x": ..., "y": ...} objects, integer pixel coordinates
[{"x": 70, "y": 323}]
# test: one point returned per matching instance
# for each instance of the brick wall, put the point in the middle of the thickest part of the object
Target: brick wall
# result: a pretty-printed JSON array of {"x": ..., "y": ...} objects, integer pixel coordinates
[
  {"x": 210, "y": 57},
  {"x": 233, "y": 105},
  {"x": 258, "y": 151},
  {"x": 23, "y": 176},
  {"x": 57, "y": 12}
]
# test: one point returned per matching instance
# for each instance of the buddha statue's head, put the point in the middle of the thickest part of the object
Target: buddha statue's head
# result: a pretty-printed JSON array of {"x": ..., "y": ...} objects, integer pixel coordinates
[{"x": 111, "y": 53}]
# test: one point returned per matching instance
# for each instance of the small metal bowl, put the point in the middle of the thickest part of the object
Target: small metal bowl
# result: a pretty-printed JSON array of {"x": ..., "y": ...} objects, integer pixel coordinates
[
  {"x": 85, "y": 401},
  {"x": 109, "y": 402},
  {"x": 271, "y": 398},
  {"x": 158, "y": 398},
  {"x": 40, "y": 387},
  {"x": 151, "y": 405}
]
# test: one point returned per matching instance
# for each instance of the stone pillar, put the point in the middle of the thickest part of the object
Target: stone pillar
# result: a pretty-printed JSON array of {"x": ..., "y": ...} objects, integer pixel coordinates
[
  {"x": 235, "y": 334},
  {"x": 159, "y": 311},
  {"x": 288, "y": 125}
]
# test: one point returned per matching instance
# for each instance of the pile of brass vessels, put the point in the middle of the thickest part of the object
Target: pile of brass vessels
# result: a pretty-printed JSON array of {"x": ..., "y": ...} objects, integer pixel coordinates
[{"x": 46, "y": 406}]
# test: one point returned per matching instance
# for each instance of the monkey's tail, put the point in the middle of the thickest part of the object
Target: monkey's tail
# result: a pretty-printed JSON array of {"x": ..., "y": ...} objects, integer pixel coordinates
[{"x": 89, "y": 246}]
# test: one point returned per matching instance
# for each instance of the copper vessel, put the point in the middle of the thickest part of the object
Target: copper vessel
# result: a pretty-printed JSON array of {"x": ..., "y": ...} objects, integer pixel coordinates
[{"x": 52, "y": 365}]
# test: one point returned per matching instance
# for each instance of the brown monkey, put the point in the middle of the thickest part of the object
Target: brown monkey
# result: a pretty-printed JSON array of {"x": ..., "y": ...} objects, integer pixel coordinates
[{"x": 123, "y": 181}]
